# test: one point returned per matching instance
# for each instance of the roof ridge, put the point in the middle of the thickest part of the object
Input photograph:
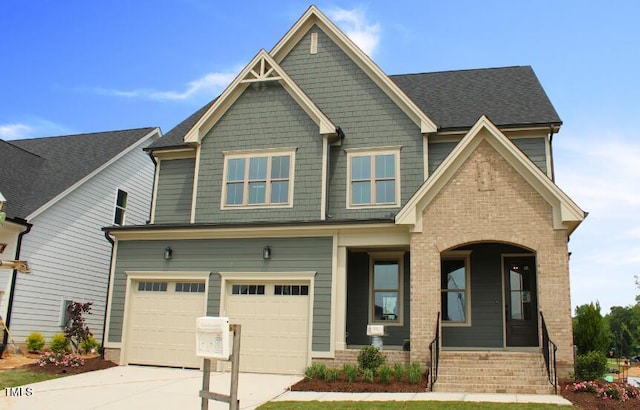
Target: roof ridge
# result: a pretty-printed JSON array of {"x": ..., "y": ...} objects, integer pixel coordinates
[
  {"x": 10, "y": 142},
  {"x": 460, "y": 70},
  {"x": 86, "y": 133}
]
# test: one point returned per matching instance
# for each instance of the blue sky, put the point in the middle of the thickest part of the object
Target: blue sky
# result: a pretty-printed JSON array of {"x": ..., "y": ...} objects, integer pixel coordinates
[{"x": 74, "y": 67}]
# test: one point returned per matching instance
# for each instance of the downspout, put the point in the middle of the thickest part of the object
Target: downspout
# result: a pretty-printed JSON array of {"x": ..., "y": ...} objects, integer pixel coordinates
[
  {"x": 14, "y": 277},
  {"x": 553, "y": 172},
  {"x": 339, "y": 137},
  {"x": 106, "y": 303},
  {"x": 153, "y": 185}
]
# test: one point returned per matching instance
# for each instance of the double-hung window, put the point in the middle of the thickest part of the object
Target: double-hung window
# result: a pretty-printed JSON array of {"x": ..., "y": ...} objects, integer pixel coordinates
[
  {"x": 373, "y": 177},
  {"x": 258, "y": 178},
  {"x": 121, "y": 207},
  {"x": 454, "y": 279},
  {"x": 386, "y": 288}
]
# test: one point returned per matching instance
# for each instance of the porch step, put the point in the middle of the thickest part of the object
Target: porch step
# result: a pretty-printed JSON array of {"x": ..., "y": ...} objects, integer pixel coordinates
[{"x": 492, "y": 372}]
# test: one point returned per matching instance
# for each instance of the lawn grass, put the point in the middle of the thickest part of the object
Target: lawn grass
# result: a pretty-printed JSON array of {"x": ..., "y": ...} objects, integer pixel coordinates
[
  {"x": 14, "y": 378},
  {"x": 405, "y": 405}
]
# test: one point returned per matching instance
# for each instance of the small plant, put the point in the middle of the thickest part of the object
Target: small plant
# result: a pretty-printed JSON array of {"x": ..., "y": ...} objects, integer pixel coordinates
[
  {"x": 414, "y": 373},
  {"x": 90, "y": 345},
  {"x": 385, "y": 374},
  {"x": 367, "y": 375},
  {"x": 398, "y": 372},
  {"x": 370, "y": 358},
  {"x": 76, "y": 331},
  {"x": 60, "y": 360},
  {"x": 333, "y": 375},
  {"x": 35, "y": 341},
  {"x": 316, "y": 371},
  {"x": 591, "y": 366},
  {"x": 59, "y": 343},
  {"x": 350, "y": 372}
]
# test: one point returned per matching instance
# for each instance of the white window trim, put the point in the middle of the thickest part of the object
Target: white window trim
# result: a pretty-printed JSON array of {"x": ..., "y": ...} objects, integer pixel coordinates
[
  {"x": 466, "y": 256},
  {"x": 371, "y": 152},
  {"x": 269, "y": 153},
  {"x": 387, "y": 256},
  {"x": 123, "y": 208}
]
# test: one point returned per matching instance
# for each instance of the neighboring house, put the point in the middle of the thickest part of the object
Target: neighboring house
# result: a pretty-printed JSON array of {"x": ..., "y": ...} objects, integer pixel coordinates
[
  {"x": 60, "y": 192},
  {"x": 317, "y": 195}
]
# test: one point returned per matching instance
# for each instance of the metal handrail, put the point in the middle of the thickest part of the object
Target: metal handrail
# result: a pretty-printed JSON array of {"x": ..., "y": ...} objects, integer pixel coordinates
[
  {"x": 549, "y": 352},
  {"x": 434, "y": 347}
]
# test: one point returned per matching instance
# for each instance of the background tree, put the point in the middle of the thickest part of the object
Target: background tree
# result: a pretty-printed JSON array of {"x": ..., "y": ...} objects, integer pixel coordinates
[
  {"x": 590, "y": 332},
  {"x": 624, "y": 325}
]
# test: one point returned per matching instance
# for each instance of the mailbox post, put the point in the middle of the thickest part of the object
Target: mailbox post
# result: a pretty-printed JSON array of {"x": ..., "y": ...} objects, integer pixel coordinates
[{"x": 212, "y": 342}]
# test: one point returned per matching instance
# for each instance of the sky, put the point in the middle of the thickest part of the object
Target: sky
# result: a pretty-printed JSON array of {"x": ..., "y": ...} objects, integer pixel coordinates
[{"x": 70, "y": 67}]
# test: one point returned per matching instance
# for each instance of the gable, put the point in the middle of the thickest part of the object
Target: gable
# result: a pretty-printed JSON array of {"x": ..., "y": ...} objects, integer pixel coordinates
[{"x": 566, "y": 214}]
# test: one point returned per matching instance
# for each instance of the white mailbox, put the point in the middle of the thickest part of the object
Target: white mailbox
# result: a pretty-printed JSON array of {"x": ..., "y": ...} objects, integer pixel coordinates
[{"x": 212, "y": 337}]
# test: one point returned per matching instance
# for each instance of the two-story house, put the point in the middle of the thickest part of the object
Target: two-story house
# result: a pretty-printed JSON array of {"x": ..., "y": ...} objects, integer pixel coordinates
[
  {"x": 60, "y": 191},
  {"x": 317, "y": 195}
]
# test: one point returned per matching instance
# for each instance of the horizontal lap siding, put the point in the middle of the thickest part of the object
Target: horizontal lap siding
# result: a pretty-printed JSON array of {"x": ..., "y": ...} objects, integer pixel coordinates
[
  {"x": 368, "y": 117},
  {"x": 175, "y": 190},
  {"x": 535, "y": 149},
  {"x": 230, "y": 255}
]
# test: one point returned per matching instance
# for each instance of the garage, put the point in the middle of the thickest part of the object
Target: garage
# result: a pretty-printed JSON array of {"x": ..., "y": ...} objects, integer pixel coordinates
[
  {"x": 275, "y": 324},
  {"x": 161, "y": 322}
]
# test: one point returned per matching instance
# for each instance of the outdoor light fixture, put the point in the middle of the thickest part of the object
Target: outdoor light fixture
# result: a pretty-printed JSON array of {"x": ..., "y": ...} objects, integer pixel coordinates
[
  {"x": 266, "y": 252},
  {"x": 168, "y": 253}
]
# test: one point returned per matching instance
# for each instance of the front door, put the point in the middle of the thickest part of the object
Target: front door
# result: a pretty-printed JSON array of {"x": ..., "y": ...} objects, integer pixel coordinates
[{"x": 521, "y": 303}]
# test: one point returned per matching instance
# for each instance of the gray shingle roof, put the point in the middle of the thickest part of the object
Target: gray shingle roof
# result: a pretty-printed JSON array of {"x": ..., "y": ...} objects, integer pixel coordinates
[
  {"x": 34, "y": 171},
  {"x": 509, "y": 96}
]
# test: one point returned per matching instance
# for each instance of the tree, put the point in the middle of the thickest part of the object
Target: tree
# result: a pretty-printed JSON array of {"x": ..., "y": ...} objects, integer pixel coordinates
[
  {"x": 624, "y": 324},
  {"x": 75, "y": 330},
  {"x": 590, "y": 333}
]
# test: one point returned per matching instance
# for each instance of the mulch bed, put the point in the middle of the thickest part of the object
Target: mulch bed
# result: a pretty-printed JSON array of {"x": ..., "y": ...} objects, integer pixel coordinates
[
  {"x": 589, "y": 401},
  {"x": 90, "y": 364}
]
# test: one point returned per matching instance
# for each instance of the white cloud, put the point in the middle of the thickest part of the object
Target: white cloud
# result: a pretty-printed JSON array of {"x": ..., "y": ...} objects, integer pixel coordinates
[
  {"x": 35, "y": 127},
  {"x": 366, "y": 35},
  {"x": 211, "y": 84}
]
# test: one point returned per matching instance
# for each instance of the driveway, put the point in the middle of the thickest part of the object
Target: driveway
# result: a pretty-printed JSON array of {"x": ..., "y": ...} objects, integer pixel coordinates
[{"x": 140, "y": 388}]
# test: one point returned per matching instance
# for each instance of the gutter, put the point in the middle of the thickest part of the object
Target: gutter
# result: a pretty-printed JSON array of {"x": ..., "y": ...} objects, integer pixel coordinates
[
  {"x": 106, "y": 303},
  {"x": 14, "y": 277}
]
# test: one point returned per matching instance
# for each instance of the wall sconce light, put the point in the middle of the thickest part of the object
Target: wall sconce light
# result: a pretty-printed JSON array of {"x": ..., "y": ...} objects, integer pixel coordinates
[
  {"x": 266, "y": 252},
  {"x": 168, "y": 253}
]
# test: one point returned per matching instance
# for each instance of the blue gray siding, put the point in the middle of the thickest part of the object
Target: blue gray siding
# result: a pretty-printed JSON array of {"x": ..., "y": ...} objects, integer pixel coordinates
[
  {"x": 230, "y": 255},
  {"x": 265, "y": 116},
  {"x": 368, "y": 117},
  {"x": 438, "y": 151},
  {"x": 175, "y": 190}
]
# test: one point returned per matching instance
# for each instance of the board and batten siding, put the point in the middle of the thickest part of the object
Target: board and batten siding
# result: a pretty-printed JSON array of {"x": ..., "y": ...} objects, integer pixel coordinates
[
  {"x": 265, "y": 116},
  {"x": 230, "y": 255},
  {"x": 174, "y": 190},
  {"x": 367, "y": 116},
  {"x": 68, "y": 253}
]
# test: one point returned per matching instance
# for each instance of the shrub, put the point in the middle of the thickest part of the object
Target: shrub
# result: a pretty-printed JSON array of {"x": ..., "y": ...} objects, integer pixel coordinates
[
  {"x": 333, "y": 375},
  {"x": 367, "y": 375},
  {"x": 60, "y": 359},
  {"x": 76, "y": 330},
  {"x": 414, "y": 373},
  {"x": 385, "y": 374},
  {"x": 90, "y": 344},
  {"x": 35, "y": 341},
  {"x": 59, "y": 343},
  {"x": 591, "y": 366},
  {"x": 370, "y": 358},
  {"x": 350, "y": 372},
  {"x": 316, "y": 371},
  {"x": 398, "y": 372}
]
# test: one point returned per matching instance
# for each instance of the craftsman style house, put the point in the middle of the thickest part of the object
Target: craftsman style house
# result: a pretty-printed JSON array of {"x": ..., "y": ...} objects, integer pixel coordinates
[{"x": 317, "y": 195}]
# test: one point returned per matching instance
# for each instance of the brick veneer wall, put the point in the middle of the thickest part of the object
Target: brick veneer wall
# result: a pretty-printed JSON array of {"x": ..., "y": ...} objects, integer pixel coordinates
[{"x": 487, "y": 200}]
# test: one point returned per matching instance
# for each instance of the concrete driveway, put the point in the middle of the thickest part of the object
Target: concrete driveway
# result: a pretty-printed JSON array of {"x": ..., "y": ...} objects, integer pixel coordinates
[{"x": 141, "y": 387}]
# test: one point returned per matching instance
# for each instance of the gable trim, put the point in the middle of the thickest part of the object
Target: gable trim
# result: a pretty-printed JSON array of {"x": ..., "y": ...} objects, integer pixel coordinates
[
  {"x": 60, "y": 196},
  {"x": 267, "y": 70},
  {"x": 566, "y": 213},
  {"x": 314, "y": 16}
]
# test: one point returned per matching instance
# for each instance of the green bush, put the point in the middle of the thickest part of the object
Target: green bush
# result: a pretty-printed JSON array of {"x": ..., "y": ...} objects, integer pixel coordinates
[
  {"x": 414, "y": 373},
  {"x": 90, "y": 344},
  {"x": 591, "y": 366},
  {"x": 333, "y": 375},
  {"x": 35, "y": 341},
  {"x": 385, "y": 374},
  {"x": 367, "y": 375},
  {"x": 59, "y": 343},
  {"x": 316, "y": 371},
  {"x": 370, "y": 358},
  {"x": 350, "y": 372},
  {"x": 398, "y": 372}
]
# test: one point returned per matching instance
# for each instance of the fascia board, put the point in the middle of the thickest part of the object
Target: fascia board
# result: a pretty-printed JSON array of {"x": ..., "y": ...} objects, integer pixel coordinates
[{"x": 314, "y": 16}]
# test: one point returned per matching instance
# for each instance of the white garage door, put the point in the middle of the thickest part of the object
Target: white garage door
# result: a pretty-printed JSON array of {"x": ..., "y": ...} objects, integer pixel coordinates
[
  {"x": 275, "y": 325},
  {"x": 162, "y": 321}
]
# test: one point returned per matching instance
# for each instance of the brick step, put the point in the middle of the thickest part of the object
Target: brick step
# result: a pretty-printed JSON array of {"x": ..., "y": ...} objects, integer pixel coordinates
[
  {"x": 482, "y": 380},
  {"x": 492, "y": 388},
  {"x": 492, "y": 369}
]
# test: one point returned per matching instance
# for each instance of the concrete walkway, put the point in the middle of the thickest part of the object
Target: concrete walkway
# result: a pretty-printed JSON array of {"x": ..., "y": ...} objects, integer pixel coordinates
[{"x": 431, "y": 396}]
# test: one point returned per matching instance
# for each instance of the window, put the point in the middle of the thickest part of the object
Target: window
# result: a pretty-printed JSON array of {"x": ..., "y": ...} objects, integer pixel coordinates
[
  {"x": 247, "y": 290},
  {"x": 152, "y": 286},
  {"x": 65, "y": 316},
  {"x": 291, "y": 290},
  {"x": 386, "y": 289},
  {"x": 261, "y": 178},
  {"x": 455, "y": 289},
  {"x": 190, "y": 287},
  {"x": 374, "y": 177},
  {"x": 121, "y": 207}
]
